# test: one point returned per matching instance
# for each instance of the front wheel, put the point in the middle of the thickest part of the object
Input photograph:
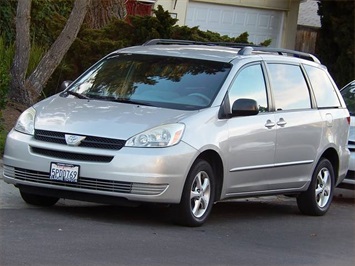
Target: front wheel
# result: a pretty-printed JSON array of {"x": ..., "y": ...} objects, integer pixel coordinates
[
  {"x": 317, "y": 198},
  {"x": 38, "y": 200},
  {"x": 197, "y": 197}
]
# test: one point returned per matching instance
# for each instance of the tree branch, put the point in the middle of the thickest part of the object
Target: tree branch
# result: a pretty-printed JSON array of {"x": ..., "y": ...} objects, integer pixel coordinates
[{"x": 37, "y": 80}]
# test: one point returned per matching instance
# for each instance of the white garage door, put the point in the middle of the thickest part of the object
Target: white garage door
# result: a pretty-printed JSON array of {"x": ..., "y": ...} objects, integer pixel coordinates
[{"x": 261, "y": 24}]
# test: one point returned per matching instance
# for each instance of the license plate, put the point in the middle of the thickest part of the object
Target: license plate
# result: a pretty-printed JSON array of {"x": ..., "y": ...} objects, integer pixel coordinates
[{"x": 64, "y": 172}]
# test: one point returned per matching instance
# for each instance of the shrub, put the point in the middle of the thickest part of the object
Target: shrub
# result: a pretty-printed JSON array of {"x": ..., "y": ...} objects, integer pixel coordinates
[
  {"x": 6, "y": 55},
  {"x": 335, "y": 44},
  {"x": 7, "y": 21},
  {"x": 3, "y": 135}
]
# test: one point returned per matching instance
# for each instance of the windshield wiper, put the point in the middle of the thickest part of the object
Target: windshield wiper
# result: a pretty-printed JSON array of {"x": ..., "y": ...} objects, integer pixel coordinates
[
  {"x": 78, "y": 95},
  {"x": 124, "y": 100},
  {"x": 111, "y": 98}
]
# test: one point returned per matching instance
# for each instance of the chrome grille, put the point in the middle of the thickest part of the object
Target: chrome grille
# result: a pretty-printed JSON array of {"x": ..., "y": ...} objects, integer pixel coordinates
[
  {"x": 86, "y": 183},
  {"x": 72, "y": 156},
  {"x": 89, "y": 141}
]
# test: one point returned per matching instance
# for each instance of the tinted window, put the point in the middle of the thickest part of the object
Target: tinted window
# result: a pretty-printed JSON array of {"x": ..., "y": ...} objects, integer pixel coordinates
[
  {"x": 348, "y": 94},
  {"x": 289, "y": 87},
  {"x": 322, "y": 87},
  {"x": 250, "y": 84},
  {"x": 171, "y": 82}
]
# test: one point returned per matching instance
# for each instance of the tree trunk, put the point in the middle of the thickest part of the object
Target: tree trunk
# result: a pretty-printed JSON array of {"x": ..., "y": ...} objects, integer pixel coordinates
[
  {"x": 101, "y": 12},
  {"x": 18, "y": 93},
  {"x": 37, "y": 80}
]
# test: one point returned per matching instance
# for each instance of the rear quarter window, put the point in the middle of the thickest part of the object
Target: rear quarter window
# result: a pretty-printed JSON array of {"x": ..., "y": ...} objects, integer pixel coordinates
[{"x": 323, "y": 89}]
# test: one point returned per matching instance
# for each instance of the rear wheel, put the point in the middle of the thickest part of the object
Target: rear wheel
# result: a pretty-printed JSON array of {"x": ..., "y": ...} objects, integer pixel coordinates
[
  {"x": 316, "y": 200},
  {"x": 38, "y": 200},
  {"x": 198, "y": 196}
]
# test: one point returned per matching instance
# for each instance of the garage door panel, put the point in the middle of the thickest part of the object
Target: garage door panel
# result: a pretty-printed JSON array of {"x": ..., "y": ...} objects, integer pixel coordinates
[
  {"x": 252, "y": 19},
  {"x": 228, "y": 18},
  {"x": 239, "y": 18},
  {"x": 260, "y": 24},
  {"x": 200, "y": 16},
  {"x": 215, "y": 16},
  {"x": 264, "y": 22}
]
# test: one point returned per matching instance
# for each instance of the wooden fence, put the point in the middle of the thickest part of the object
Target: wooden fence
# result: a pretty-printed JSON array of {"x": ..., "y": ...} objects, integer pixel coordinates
[{"x": 306, "y": 39}]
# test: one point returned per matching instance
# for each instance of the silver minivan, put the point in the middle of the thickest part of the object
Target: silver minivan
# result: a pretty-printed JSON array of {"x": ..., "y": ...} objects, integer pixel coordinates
[{"x": 185, "y": 124}]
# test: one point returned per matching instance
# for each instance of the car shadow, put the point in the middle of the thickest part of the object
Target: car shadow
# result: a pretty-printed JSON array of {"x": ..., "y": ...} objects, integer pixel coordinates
[
  {"x": 235, "y": 210},
  {"x": 241, "y": 210}
]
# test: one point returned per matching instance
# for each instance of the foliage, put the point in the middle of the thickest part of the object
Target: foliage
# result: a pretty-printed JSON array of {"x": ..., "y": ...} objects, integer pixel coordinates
[
  {"x": 335, "y": 46},
  {"x": 36, "y": 54},
  {"x": 161, "y": 24},
  {"x": 7, "y": 21},
  {"x": 3, "y": 135},
  {"x": 6, "y": 55},
  {"x": 47, "y": 20}
]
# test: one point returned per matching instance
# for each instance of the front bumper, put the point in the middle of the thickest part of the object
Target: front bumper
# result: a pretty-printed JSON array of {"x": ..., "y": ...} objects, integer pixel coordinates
[{"x": 135, "y": 174}]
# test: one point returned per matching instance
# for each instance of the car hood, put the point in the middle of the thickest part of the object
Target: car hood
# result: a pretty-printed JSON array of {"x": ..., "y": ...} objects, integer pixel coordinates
[{"x": 101, "y": 118}]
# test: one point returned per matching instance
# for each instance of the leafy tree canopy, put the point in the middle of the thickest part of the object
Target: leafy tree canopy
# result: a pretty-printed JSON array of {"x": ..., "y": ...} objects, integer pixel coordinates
[{"x": 335, "y": 46}]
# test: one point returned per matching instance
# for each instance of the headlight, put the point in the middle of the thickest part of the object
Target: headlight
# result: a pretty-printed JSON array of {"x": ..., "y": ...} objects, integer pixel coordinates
[
  {"x": 162, "y": 136},
  {"x": 25, "y": 123}
]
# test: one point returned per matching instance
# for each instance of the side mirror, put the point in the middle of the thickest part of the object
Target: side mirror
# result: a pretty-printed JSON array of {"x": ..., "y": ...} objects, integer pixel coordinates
[
  {"x": 65, "y": 84},
  {"x": 245, "y": 107}
]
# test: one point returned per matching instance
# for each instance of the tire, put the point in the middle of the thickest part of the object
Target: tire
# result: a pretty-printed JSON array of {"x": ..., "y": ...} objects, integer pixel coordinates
[
  {"x": 197, "y": 197},
  {"x": 38, "y": 200},
  {"x": 317, "y": 198}
]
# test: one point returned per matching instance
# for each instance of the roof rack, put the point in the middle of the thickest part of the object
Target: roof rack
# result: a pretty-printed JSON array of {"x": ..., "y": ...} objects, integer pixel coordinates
[
  {"x": 248, "y": 50},
  {"x": 188, "y": 42},
  {"x": 245, "y": 48}
]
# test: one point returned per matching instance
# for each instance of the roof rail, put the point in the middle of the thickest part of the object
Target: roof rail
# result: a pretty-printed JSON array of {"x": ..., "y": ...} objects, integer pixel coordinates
[
  {"x": 188, "y": 42},
  {"x": 245, "y": 48},
  {"x": 280, "y": 51}
]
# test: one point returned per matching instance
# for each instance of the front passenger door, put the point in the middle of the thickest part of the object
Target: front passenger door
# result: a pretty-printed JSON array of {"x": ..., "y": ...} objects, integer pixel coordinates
[{"x": 251, "y": 143}]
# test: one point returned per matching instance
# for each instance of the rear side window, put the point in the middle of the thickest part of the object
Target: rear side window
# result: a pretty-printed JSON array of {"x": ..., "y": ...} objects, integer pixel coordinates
[
  {"x": 322, "y": 87},
  {"x": 289, "y": 87}
]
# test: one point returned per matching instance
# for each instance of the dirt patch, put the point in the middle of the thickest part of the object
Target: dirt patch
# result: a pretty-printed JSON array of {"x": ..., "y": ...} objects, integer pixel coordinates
[{"x": 10, "y": 115}]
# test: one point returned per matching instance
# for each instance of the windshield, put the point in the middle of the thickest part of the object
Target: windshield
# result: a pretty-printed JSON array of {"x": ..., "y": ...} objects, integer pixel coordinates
[
  {"x": 348, "y": 94},
  {"x": 170, "y": 82}
]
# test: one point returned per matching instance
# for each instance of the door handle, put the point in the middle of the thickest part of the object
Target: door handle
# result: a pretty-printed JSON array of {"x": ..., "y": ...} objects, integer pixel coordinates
[
  {"x": 281, "y": 122},
  {"x": 269, "y": 124}
]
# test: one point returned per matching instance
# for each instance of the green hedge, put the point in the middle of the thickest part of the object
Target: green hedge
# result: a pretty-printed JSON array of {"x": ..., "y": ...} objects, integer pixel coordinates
[{"x": 6, "y": 55}]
